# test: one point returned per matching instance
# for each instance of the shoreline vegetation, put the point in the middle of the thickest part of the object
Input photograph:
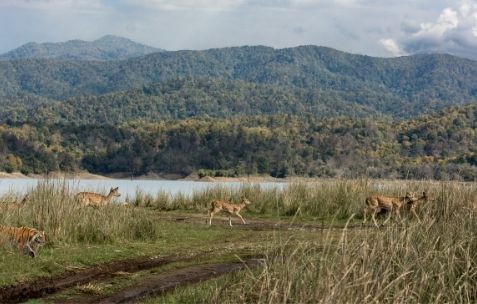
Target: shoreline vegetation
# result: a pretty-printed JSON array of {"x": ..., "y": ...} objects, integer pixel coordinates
[{"x": 440, "y": 146}]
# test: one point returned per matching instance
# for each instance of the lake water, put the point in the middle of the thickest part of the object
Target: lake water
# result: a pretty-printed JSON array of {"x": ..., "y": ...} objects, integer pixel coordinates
[{"x": 127, "y": 188}]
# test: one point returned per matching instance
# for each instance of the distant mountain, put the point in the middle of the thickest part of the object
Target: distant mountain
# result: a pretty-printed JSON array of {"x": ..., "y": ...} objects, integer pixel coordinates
[
  {"x": 106, "y": 48},
  {"x": 402, "y": 87}
]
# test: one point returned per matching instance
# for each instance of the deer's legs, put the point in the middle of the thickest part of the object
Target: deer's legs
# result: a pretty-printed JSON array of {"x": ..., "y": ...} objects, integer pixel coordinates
[
  {"x": 243, "y": 221},
  {"x": 398, "y": 214},
  {"x": 211, "y": 215},
  {"x": 413, "y": 211},
  {"x": 373, "y": 216},
  {"x": 390, "y": 212},
  {"x": 365, "y": 214}
]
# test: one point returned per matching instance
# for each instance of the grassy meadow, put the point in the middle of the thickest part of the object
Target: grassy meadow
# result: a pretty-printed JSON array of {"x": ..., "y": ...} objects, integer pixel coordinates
[{"x": 434, "y": 260}]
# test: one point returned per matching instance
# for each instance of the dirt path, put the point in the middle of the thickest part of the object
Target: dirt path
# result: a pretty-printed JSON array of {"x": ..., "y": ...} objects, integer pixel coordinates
[
  {"x": 44, "y": 286},
  {"x": 260, "y": 224},
  {"x": 160, "y": 284}
]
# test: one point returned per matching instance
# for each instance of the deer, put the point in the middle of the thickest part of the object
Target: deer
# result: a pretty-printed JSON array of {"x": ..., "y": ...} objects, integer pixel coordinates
[
  {"x": 225, "y": 206},
  {"x": 377, "y": 203},
  {"x": 15, "y": 204},
  {"x": 412, "y": 205},
  {"x": 96, "y": 200}
]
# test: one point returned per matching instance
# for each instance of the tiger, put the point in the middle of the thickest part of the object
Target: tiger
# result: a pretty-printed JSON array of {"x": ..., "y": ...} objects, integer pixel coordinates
[{"x": 26, "y": 239}]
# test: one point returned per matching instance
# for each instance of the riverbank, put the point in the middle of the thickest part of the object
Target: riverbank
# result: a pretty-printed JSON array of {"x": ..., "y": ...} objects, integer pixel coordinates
[
  {"x": 150, "y": 176},
  {"x": 52, "y": 175}
]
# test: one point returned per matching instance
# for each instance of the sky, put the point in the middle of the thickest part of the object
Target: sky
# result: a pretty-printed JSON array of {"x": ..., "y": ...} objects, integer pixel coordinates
[{"x": 381, "y": 28}]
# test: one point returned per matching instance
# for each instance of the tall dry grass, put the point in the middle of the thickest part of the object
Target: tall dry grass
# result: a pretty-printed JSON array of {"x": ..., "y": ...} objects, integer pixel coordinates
[
  {"x": 337, "y": 199},
  {"x": 432, "y": 261},
  {"x": 53, "y": 208}
]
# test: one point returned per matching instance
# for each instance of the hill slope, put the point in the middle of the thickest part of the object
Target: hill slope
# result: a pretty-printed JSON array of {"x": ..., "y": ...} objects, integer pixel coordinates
[
  {"x": 106, "y": 48},
  {"x": 183, "y": 98},
  {"x": 439, "y": 146},
  {"x": 403, "y": 87}
]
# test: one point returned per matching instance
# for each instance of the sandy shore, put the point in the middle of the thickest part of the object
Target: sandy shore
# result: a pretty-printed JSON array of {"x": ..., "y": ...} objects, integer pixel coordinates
[
  {"x": 12, "y": 175},
  {"x": 151, "y": 176},
  {"x": 54, "y": 175}
]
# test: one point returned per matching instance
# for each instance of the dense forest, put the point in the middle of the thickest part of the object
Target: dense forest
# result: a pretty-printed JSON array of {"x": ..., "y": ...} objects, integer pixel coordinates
[
  {"x": 183, "y": 98},
  {"x": 440, "y": 146},
  {"x": 402, "y": 87},
  {"x": 308, "y": 111}
]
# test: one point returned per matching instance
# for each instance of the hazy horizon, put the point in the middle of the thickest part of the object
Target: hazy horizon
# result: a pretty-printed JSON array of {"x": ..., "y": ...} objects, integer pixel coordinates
[{"x": 368, "y": 27}]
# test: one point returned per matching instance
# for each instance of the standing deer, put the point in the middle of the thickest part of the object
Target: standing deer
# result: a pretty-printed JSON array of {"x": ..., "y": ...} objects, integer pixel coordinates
[
  {"x": 96, "y": 200},
  {"x": 377, "y": 203},
  {"x": 218, "y": 205}
]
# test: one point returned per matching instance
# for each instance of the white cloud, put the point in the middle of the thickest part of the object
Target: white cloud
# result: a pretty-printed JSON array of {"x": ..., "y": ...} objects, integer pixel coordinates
[
  {"x": 454, "y": 32},
  {"x": 391, "y": 46},
  {"x": 447, "y": 21}
]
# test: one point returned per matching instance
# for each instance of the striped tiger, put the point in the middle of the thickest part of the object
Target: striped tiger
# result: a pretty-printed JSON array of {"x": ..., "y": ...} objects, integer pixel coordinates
[{"x": 26, "y": 239}]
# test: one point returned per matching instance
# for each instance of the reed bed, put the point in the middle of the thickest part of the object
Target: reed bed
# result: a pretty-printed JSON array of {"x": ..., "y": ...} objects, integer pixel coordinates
[
  {"x": 327, "y": 199},
  {"x": 53, "y": 208},
  {"x": 431, "y": 261}
]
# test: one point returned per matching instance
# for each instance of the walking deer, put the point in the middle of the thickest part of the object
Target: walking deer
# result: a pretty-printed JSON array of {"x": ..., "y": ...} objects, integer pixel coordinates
[
  {"x": 377, "y": 203},
  {"x": 218, "y": 205},
  {"x": 96, "y": 200}
]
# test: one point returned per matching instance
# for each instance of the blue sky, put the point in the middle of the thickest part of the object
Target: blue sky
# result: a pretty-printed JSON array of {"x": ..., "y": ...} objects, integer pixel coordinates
[{"x": 372, "y": 27}]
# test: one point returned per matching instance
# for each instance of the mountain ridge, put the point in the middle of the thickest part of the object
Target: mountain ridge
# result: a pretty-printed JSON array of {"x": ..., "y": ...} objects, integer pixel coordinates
[
  {"x": 402, "y": 87},
  {"x": 108, "y": 47}
]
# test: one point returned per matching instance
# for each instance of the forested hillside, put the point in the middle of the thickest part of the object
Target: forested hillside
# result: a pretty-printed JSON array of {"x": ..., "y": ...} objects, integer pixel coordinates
[
  {"x": 179, "y": 99},
  {"x": 307, "y": 111},
  {"x": 443, "y": 145},
  {"x": 106, "y": 48},
  {"x": 402, "y": 87}
]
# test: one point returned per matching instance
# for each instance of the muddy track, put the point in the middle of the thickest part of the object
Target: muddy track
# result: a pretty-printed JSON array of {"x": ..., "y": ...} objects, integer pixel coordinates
[
  {"x": 42, "y": 287},
  {"x": 262, "y": 224},
  {"x": 157, "y": 285},
  {"x": 45, "y": 286}
]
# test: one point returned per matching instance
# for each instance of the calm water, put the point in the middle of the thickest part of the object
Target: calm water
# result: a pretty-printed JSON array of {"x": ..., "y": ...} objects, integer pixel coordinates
[{"x": 127, "y": 188}]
